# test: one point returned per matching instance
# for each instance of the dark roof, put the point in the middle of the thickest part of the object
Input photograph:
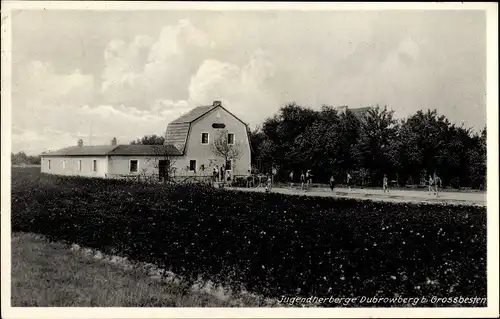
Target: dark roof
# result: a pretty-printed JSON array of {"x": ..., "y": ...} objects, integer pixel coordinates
[
  {"x": 116, "y": 150},
  {"x": 178, "y": 130},
  {"x": 177, "y": 134},
  {"x": 194, "y": 114},
  {"x": 98, "y": 150},
  {"x": 159, "y": 150}
]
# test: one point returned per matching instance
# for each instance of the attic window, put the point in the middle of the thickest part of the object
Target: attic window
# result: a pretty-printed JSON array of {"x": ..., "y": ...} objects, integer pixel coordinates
[{"x": 218, "y": 125}]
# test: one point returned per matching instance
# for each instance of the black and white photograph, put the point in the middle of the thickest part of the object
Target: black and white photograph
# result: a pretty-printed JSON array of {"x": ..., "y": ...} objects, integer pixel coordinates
[{"x": 249, "y": 159}]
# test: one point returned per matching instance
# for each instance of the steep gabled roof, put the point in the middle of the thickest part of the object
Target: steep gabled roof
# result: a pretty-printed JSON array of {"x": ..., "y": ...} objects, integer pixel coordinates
[
  {"x": 178, "y": 130},
  {"x": 194, "y": 114},
  {"x": 116, "y": 150}
]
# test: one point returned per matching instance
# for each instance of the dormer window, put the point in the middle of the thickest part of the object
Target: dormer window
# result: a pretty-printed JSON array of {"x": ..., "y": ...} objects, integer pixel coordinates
[{"x": 218, "y": 125}]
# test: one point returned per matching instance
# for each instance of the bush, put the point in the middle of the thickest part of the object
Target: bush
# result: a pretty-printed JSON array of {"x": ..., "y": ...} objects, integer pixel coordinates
[
  {"x": 240, "y": 182},
  {"x": 455, "y": 182},
  {"x": 273, "y": 244}
]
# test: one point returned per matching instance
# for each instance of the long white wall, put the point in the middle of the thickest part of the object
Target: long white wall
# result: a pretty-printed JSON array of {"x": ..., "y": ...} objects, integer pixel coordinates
[{"x": 74, "y": 165}]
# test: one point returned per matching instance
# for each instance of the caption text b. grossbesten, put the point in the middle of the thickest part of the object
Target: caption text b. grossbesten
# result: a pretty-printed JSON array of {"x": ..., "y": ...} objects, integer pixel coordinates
[{"x": 364, "y": 301}]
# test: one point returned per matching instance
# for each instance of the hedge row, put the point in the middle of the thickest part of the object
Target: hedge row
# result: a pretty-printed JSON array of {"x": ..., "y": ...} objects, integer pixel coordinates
[{"x": 273, "y": 244}]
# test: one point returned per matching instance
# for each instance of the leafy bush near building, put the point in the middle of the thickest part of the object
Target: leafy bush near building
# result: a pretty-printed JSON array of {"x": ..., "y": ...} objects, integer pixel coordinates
[{"x": 273, "y": 244}]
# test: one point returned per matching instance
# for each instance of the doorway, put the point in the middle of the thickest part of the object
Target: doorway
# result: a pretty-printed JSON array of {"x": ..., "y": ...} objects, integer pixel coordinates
[{"x": 163, "y": 169}]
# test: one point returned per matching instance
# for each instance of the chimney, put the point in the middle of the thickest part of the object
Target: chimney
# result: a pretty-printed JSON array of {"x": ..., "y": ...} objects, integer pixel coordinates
[
  {"x": 80, "y": 143},
  {"x": 217, "y": 103},
  {"x": 113, "y": 141}
]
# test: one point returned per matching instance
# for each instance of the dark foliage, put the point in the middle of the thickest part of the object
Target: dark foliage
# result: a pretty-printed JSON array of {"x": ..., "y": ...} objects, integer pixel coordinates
[
  {"x": 273, "y": 244},
  {"x": 21, "y": 158},
  {"x": 369, "y": 145}
]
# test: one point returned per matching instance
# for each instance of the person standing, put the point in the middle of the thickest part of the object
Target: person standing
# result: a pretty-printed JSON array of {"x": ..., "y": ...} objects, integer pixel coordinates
[
  {"x": 308, "y": 178},
  {"x": 385, "y": 184},
  {"x": 216, "y": 173},
  {"x": 332, "y": 182},
  {"x": 436, "y": 181},
  {"x": 349, "y": 178},
  {"x": 222, "y": 173},
  {"x": 269, "y": 184},
  {"x": 431, "y": 184},
  {"x": 291, "y": 179},
  {"x": 249, "y": 179},
  {"x": 302, "y": 180}
]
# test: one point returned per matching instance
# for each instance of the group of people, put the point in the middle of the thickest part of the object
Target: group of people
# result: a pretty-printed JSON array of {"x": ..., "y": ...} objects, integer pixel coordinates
[
  {"x": 220, "y": 174},
  {"x": 433, "y": 184},
  {"x": 306, "y": 180}
]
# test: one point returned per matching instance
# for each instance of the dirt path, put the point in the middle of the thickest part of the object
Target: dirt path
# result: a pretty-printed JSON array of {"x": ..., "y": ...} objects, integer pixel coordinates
[{"x": 455, "y": 198}]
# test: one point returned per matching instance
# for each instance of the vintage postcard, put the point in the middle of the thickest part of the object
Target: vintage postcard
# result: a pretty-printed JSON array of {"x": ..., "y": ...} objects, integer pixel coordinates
[{"x": 253, "y": 159}]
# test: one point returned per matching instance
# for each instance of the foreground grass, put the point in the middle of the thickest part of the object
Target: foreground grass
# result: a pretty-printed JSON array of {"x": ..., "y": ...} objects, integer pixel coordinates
[{"x": 48, "y": 274}]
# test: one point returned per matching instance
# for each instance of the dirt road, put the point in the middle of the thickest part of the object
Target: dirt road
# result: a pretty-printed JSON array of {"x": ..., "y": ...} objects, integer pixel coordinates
[{"x": 457, "y": 198}]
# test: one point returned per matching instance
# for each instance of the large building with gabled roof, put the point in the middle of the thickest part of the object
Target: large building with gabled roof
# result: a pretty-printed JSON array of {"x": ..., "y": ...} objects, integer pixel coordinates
[{"x": 188, "y": 147}]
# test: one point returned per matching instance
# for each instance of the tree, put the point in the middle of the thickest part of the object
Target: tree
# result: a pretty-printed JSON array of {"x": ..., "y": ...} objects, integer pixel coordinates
[
  {"x": 21, "y": 158},
  {"x": 377, "y": 132},
  {"x": 222, "y": 147},
  {"x": 149, "y": 140}
]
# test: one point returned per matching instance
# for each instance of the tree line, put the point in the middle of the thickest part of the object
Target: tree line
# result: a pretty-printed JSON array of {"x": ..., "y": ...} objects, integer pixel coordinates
[
  {"x": 21, "y": 158},
  {"x": 370, "y": 145}
]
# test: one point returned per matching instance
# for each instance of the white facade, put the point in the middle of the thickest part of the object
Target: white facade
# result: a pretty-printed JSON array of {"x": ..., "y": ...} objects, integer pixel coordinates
[
  {"x": 201, "y": 152},
  {"x": 88, "y": 166}
]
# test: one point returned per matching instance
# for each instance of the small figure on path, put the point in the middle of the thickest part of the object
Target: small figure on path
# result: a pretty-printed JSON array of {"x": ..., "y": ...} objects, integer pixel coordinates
[
  {"x": 349, "y": 181},
  {"x": 332, "y": 182},
  {"x": 385, "y": 185},
  {"x": 291, "y": 179},
  {"x": 216, "y": 173},
  {"x": 269, "y": 184},
  {"x": 308, "y": 178},
  {"x": 431, "y": 183},
  {"x": 249, "y": 180},
  {"x": 302, "y": 180},
  {"x": 222, "y": 174},
  {"x": 436, "y": 181}
]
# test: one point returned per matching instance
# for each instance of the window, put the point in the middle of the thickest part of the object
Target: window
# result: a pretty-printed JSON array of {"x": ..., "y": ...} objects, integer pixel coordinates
[
  {"x": 79, "y": 165},
  {"x": 230, "y": 138},
  {"x": 133, "y": 166},
  {"x": 94, "y": 165},
  {"x": 192, "y": 165},
  {"x": 229, "y": 165},
  {"x": 204, "y": 138},
  {"x": 49, "y": 164}
]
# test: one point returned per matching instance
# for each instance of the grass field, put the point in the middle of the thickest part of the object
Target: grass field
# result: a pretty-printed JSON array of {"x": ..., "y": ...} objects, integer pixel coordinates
[{"x": 48, "y": 274}]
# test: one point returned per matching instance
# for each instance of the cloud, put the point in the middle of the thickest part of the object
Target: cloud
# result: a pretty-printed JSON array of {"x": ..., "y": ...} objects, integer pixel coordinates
[
  {"x": 241, "y": 89},
  {"x": 148, "y": 74},
  {"x": 139, "y": 73}
]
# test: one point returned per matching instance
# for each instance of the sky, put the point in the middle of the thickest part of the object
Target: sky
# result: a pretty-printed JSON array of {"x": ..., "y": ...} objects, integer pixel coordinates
[{"x": 96, "y": 75}]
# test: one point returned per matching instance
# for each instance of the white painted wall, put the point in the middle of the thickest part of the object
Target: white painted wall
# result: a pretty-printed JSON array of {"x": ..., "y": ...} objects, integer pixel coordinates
[
  {"x": 203, "y": 153},
  {"x": 68, "y": 165}
]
